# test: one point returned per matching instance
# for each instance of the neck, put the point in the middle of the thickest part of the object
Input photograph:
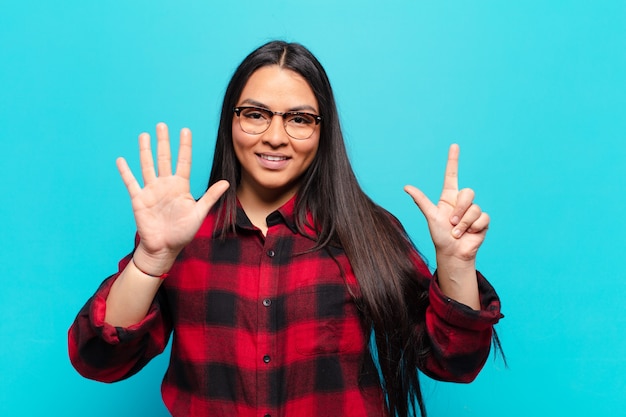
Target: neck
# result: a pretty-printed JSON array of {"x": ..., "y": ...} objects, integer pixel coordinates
[{"x": 259, "y": 205}]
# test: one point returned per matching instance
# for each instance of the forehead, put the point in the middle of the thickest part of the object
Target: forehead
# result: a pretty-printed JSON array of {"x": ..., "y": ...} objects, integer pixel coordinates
[{"x": 279, "y": 89}]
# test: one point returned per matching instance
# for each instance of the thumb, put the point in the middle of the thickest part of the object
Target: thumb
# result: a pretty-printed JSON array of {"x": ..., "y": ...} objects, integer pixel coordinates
[
  {"x": 213, "y": 194},
  {"x": 423, "y": 203}
]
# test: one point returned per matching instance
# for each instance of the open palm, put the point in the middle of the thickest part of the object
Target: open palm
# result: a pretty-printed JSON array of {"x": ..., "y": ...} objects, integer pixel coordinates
[{"x": 166, "y": 214}]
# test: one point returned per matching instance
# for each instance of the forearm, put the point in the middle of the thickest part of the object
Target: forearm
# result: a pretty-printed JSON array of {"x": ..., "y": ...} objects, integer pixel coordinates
[
  {"x": 130, "y": 297},
  {"x": 458, "y": 280}
]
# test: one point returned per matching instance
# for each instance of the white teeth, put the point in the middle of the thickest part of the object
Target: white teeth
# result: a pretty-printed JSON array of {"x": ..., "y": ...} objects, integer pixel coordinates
[{"x": 273, "y": 158}]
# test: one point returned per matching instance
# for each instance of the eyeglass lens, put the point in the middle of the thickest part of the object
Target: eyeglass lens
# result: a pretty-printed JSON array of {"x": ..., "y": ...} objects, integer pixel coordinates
[{"x": 257, "y": 120}]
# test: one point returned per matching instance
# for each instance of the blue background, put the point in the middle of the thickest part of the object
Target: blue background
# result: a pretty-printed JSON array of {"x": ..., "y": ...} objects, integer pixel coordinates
[{"x": 533, "y": 91}]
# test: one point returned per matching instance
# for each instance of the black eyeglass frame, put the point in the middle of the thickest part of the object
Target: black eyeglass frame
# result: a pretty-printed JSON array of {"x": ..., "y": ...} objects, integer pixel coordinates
[{"x": 284, "y": 115}]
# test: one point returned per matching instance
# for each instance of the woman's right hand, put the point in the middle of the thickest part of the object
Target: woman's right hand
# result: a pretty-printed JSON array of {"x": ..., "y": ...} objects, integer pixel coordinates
[{"x": 166, "y": 214}]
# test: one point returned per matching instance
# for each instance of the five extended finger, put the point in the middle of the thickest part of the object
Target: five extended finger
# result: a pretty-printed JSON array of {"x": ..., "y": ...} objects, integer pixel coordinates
[{"x": 164, "y": 156}]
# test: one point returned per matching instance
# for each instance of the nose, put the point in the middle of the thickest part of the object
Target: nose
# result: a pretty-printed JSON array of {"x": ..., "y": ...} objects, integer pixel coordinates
[{"x": 275, "y": 135}]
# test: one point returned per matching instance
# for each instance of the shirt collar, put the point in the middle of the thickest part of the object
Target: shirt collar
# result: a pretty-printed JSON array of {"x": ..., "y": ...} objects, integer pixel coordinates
[{"x": 284, "y": 214}]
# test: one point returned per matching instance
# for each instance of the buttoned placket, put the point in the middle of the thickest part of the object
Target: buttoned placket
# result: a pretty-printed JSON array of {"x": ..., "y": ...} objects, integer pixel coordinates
[{"x": 268, "y": 288}]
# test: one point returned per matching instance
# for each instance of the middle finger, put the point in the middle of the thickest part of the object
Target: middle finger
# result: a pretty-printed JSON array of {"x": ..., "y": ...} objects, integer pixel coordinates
[{"x": 164, "y": 156}]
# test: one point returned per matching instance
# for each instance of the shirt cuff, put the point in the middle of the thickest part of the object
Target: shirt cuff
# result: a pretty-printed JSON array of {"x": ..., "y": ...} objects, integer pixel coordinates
[
  {"x": 112, "y": 334},
  {"x": 460, "y": 315}
]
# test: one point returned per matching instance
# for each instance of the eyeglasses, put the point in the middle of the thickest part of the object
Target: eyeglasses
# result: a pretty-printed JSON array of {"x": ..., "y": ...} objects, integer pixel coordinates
[{"x": 256, "y": 120}]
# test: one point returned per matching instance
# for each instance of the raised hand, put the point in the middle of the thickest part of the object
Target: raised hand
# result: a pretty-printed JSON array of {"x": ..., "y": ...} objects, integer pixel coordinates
[
  {"x": 166, "y": 214},
  {"x": 457, "y": 225}
]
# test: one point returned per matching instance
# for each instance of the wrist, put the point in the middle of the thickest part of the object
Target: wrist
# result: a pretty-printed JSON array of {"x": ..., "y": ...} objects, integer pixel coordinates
[
  {"x": 159, "y": 276},
  {"x": 453, "y": 263},
  {"x": 152, "y": 265},
  {"x": 458, "y": 280}
]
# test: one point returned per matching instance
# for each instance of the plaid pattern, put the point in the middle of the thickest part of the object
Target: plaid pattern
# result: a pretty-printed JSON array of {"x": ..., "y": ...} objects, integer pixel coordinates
[{"x": 261, "y": 327}]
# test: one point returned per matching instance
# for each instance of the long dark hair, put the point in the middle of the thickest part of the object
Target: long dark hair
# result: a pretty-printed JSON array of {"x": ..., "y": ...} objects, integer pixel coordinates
[{"x": 378, "y": 248}]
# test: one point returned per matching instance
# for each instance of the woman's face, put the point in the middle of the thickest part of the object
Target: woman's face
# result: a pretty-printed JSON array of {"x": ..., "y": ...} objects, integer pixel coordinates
[{"x": 272, "y": 162}]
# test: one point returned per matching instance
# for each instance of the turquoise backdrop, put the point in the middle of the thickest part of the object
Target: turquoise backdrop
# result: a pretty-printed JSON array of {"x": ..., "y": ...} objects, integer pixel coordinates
[{"x": 533, "y": 91}]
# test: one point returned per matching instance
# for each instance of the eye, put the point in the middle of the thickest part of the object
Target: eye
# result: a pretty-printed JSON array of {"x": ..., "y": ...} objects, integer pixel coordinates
[
  {"x": 254, "y": 114},
  {"x": 300, "y": 119}
]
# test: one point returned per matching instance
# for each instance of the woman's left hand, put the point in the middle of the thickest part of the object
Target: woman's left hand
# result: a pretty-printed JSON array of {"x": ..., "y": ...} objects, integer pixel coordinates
[{"x": 457, "y": 225}]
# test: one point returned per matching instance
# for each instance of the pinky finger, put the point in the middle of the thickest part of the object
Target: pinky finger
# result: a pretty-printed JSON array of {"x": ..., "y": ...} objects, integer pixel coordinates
[
  {"x": 129, "y": 179},
  {"x": 480, "y": 225}
]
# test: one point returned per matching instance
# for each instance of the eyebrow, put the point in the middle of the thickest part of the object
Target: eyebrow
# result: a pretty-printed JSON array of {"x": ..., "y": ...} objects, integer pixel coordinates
[{"x": 304, "y": 107}]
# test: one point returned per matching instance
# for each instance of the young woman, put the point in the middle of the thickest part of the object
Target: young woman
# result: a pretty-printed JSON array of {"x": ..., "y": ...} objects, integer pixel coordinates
[{"x": 273, "y": 282}]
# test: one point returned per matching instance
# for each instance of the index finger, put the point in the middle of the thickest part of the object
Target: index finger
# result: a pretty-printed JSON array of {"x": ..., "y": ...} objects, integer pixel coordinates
[{"x": 451, "y": 178}]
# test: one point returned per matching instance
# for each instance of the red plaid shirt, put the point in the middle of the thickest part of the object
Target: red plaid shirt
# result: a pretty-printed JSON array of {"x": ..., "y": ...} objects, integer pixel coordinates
[{"x": 264, "y": 328}]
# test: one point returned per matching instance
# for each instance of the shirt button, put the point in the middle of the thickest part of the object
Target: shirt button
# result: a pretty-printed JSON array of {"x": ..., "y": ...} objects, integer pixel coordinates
[
  {"x": 267, "y": 302},
  {"x": 271, "y": 253},
  {"x": 266, "y": 359}
]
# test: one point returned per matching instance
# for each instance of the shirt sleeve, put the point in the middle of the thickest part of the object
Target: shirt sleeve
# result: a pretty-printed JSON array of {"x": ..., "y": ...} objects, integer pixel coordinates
[
  {"x": 460, "y": 337},
  {"x": 106, "y": 353}
]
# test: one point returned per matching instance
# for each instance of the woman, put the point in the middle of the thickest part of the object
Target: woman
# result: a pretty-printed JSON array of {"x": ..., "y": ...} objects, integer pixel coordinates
[{"x": 274, "y": 280}]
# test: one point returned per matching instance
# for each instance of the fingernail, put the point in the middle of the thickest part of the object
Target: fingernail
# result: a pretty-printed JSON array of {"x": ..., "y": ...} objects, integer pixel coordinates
[
  {"x": 455, "y": 220},
  {"x": 456, "y": 232}
]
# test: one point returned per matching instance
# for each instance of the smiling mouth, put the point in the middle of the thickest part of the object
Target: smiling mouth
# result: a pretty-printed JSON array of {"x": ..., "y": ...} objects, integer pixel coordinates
[{"x": 273, "y": 158}]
